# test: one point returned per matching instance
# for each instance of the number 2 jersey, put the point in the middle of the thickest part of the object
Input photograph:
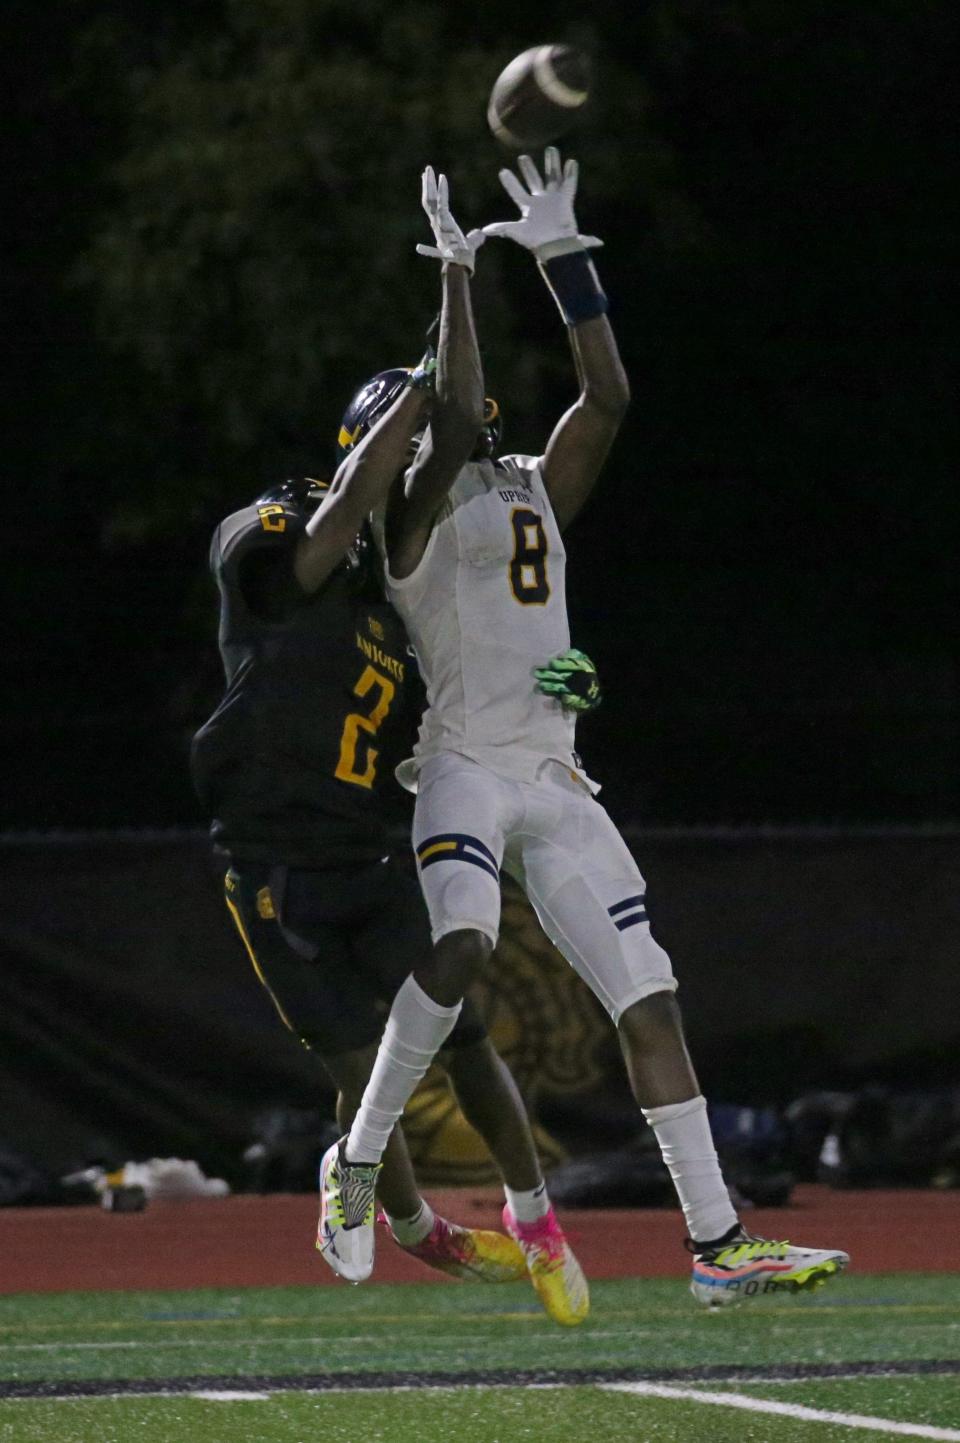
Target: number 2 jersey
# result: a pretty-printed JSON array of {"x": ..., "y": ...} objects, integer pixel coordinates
[
  {"x": 289, "y": 764},
  {"x": 485, "y": 606}
]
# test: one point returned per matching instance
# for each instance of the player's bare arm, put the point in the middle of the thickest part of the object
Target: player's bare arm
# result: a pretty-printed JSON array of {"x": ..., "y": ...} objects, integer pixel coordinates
[
  {"x": 547, "y": 227},
  {"x": 457, "y": 415},
  {"x": 361, "y": 482},
  {"x": 583, "y": 436}
]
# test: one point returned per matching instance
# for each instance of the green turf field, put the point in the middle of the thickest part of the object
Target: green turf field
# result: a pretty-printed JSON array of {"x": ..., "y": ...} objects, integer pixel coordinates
[{"x": 498, "y": 1370}]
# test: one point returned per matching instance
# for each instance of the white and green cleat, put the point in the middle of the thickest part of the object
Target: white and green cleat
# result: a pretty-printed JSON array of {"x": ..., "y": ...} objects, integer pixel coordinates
[
  {"x": 347, "y": 1211},
  {"x": 741, "y": 1268}
]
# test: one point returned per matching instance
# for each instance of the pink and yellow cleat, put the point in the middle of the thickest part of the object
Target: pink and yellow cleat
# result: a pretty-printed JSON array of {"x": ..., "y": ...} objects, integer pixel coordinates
[
  {"x": 473, "y": 1254},
  {"x": 556, "y": 1275}
]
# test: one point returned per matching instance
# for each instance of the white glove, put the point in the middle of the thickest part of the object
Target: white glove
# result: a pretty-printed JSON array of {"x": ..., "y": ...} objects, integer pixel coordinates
[
  {"x": 452, "y": 247},
  {"x": 547, "y": 224}
]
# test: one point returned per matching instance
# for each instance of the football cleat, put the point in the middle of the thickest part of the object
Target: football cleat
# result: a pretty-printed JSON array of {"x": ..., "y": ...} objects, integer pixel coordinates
[
  {"x": 740, "y": 1267},
  {"x": 556, "y": 1275},
  {"x": 473, "y": 1254},
  {"x": 347, "y": 1209}
]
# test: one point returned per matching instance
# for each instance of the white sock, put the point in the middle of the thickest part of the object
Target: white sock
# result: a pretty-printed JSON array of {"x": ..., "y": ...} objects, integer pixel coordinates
[
  {"x": 686, "y": 1146},
  {"x": 416, "y": 1030},
  {"x": 409, "y": 1231},
  {"x": 527, "y": 1207}
]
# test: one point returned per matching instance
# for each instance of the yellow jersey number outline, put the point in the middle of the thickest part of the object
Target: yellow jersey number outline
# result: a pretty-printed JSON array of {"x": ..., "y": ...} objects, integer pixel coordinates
[
  {"x": 272, "y": 518},
  {"x": 528, "y": 556},
  {"x": 356, "y": 722}
]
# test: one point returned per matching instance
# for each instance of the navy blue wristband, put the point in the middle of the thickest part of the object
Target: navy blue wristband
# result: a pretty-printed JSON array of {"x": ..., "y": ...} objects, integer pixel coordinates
[{"x": 575, "y": 286}]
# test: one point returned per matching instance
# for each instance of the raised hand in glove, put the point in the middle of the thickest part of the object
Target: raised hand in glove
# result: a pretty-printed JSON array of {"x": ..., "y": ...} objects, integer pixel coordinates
[
  {"x": 452, "y": 247},
  {"x": 572, "y": 679},
  {"x": 547, "y": 224}
]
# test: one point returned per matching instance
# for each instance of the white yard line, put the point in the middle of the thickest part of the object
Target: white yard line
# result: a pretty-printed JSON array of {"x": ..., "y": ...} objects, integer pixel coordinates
[
  {"x": 687, "y": 1394},
  {"x": 207, "y": 1344},
  {"x": 782, "y": 1410},
  {"x": 223, "y": 1395}
]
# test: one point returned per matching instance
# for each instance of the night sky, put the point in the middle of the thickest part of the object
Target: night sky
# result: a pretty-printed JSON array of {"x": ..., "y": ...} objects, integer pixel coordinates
[{"x": 209, "y": 234}]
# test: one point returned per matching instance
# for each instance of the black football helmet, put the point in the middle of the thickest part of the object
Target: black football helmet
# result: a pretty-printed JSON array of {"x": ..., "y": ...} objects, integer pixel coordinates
[
  {"x": 368, "y": 405},
  {"x": 362, "y": 562},
  {"x": 302, "y": 493},
  {"x": 377, "y": 396}
]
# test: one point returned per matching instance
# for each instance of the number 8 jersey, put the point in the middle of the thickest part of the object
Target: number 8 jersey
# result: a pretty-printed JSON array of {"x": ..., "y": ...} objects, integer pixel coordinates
[{"x": 486, "y": 605}]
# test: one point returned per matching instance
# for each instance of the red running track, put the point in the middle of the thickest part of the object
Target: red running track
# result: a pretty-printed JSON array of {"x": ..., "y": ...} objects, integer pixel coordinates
[{"x": 268, "y": 1241}]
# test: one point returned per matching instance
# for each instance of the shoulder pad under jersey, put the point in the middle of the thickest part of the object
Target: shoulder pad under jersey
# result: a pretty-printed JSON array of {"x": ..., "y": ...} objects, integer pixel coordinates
[
  {"x": 521, "y": 470},
  {"x": 267, "y": 523}
]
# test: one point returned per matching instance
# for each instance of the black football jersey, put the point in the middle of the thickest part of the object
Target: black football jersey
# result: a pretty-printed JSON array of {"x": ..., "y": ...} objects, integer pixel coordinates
[{"x": 313, "y": 717}]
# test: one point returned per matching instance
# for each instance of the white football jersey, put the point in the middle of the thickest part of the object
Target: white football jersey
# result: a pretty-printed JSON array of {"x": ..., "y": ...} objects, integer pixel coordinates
[{"x": 486, "y": 605}]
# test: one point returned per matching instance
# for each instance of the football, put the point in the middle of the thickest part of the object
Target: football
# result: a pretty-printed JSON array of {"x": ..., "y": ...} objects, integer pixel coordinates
[{"x": 539, "y": 96}]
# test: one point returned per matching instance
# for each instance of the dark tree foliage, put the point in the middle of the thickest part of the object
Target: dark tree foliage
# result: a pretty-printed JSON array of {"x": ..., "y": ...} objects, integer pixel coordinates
[
  {"x": 216, "y": 244},
  {"x": 256, "y": 262}
]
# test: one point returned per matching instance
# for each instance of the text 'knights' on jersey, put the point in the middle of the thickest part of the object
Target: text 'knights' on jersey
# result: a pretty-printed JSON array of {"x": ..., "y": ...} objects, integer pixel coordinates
[
  {"x": 486, "y": 605},
  {"x": 312, "y": 721}
]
